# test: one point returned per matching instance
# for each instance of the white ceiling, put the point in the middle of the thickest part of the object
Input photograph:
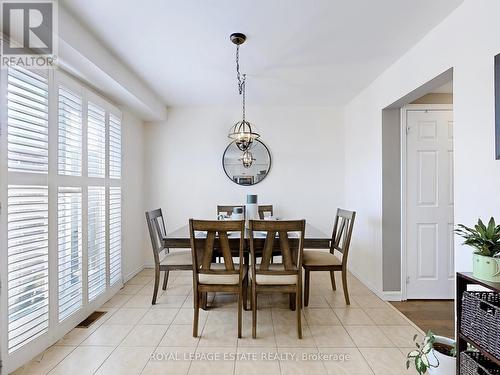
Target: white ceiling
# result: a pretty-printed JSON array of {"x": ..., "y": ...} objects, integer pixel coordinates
[{"x": 298, "y": 52}]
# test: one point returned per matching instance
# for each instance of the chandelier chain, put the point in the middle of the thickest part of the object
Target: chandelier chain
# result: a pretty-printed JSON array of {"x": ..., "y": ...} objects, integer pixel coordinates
[
  {"x": 243, "y": 94},
  {"x": 241, "y": 81},
  {"x": 238, "y": 74}
]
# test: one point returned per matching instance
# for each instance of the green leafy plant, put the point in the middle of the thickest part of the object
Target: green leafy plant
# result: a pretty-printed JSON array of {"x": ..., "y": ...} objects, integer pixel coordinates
[
  {"x": 420, "y": 356},
  {"x": 485, "y": 239}
]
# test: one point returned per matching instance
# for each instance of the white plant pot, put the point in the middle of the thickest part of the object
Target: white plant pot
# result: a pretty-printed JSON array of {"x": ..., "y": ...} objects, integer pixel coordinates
[{"x": 446, "y": 364}]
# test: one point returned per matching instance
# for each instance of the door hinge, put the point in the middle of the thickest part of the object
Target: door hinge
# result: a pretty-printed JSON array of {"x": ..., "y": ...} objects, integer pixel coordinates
[
  {"x": 407, "y": 279},
  {"x": 407, "y": 129}
]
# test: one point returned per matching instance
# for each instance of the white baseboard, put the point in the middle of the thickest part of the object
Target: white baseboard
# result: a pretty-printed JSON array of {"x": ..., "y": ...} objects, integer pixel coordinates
[
  {"x": 133, "y": 273},
  {"x": 367, "y": 284},
  {"x": 391, "y": 296},
  {"x": 386, "y": 296}
]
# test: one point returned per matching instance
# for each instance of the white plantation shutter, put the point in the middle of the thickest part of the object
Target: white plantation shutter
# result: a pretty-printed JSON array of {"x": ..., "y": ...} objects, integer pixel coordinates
[
  {"x": 96, "y": 138},
  {"x": 70, "y": 117},
  {"x": 96, "y": 241},
  {"x": 63, "y": 238},
  {"x": 115, "y": 234},
  {"x": 115, "y": 146},
  {"x": 69, "y": 222},
  {"x": 27, "y": 118},
  {"x": 28, "y": 252}
]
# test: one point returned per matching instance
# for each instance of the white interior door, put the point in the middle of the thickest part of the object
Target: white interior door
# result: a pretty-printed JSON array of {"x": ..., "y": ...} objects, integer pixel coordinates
[{"x": 429, "y": 204}]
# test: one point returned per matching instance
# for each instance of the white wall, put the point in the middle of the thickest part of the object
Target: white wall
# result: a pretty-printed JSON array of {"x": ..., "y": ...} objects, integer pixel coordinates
[
  {"x": 133, "y": 194},
  {"x": 466, "y": 41},
  {"x": 183, "y": 163}
]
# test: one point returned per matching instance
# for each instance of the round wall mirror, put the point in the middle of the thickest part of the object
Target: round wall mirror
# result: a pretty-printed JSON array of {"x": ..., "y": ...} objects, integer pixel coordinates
[{"x": 249, "y": 167}]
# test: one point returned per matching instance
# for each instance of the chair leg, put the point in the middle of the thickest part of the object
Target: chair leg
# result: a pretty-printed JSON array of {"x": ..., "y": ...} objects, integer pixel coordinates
[
  {"x": 165, "y": 280},
  {"x": 245, "y": 293},
  {"x": 204, "y": 301},
  {"x": 291, "y": 297},
  {"x": 344, "y": 285},
  {"x": 298, "y": 303},
  {"x": 246, "y": 283},
  {"x": 306, "y": 287},
  {"x": 254, "y": 312},
  {"x": 196, "y": 313},
  {"x": 157, "y": 284},
  {"x": 332, "y": 279},
  {"x": 240, "y": 307}
]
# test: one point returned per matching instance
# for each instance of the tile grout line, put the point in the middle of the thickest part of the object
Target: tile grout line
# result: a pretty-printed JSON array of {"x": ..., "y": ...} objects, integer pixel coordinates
[
  {"x": 62, "y": 359},
  {"x": 169, "y": 325},
  {"x": 74, "y": 348},
  {"x": 117, "y": 346}
]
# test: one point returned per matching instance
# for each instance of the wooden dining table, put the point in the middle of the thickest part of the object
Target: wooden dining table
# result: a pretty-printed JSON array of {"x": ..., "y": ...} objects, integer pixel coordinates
[{"x": 313, "y": 239}]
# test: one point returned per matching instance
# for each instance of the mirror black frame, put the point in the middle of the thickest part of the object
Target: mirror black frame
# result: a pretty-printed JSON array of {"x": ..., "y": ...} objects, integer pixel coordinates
[{"x": 268, "y": 169}]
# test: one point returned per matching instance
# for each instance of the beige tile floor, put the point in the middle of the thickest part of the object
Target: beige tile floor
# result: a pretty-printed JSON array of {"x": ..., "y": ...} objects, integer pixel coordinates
[{"x": 367, "y": 337}]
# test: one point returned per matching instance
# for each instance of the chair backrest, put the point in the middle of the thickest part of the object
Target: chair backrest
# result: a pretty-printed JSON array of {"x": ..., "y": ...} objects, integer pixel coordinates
[
  {"x": 209, "y": 235},
  {"x": 342, "y": 232},
  {"x": 265, "y": 209},
  {"x": 157, "y": 232},
  {"x": 277, "y": 237},
  {"x": 228, "y": 210}
]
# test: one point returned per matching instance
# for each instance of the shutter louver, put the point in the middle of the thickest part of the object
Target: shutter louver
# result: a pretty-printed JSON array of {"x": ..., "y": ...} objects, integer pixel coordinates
[
  {"x": 96, "y": 241},
  {"x": 27, "y": 118},
  {"x": 96, "y": 138},
  {"x": 70, "y": 133},
  {"x": 28, "y": 263},
  {"x": 115, "y": 147},
  {"x": 115, "y": 234},
  {"x": 69, "y": 207}
]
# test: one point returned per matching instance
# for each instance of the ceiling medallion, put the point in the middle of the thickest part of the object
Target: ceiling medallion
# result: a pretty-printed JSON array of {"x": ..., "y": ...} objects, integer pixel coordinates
[{"x": 242, "y": 132}]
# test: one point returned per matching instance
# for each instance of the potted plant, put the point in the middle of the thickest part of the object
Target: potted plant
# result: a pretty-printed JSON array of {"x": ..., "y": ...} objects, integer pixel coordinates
[
  {"x": 486, "y": 241},
  {"x": 435, "y": 354}
]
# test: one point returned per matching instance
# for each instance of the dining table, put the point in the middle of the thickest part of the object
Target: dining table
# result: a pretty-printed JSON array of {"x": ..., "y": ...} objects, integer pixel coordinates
[{"x": 314, "y": 238}]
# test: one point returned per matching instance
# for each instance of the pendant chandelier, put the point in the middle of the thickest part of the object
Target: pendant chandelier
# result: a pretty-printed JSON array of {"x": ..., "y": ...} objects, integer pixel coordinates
[
  {"x": 241, "y": 132},
  {"x": 247, "y": 159}
]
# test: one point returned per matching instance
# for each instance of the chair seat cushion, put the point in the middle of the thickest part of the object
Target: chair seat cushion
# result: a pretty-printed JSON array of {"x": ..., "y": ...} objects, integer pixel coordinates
[
  {"x": 275, "y": 279},
  {"x": 320, "y": 258},
  {"x": 220, "y": 279},
  {"x": 178, "y": 258}
]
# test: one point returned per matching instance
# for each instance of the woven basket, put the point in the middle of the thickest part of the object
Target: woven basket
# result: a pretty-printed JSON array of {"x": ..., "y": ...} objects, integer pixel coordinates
[
  {"x": 481, "y": 319},
  {"x": 474, "y": 363}
]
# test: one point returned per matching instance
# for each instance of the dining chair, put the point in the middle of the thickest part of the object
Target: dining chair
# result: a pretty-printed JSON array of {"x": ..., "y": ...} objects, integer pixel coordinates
[
  {"x": 217, "y": 277},
  {"x": 227, "y": 210},
  {"x": 317, "y": 260},
  {"x": 285, "y": 277},
  {"x": 265, "y": 209},
  {"x": 178, "y": 260}
]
